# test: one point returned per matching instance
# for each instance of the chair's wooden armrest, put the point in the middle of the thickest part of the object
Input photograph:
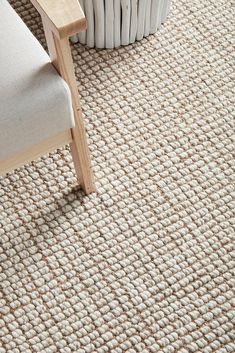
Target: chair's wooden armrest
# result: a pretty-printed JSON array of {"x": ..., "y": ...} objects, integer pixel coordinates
[{"x": 65, "y": 17}]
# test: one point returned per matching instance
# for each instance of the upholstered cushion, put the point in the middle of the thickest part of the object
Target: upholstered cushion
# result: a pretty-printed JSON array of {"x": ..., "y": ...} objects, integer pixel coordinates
[{"x": 35, "y": 102}]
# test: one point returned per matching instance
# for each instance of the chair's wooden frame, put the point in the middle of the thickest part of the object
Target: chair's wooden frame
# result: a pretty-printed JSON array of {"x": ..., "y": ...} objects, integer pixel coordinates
[{"x": 61, "y": 19}]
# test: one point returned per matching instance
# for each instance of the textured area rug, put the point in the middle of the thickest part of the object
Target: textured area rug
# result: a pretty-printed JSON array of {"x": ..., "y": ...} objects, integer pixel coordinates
[{"x": 145, "y": 264}]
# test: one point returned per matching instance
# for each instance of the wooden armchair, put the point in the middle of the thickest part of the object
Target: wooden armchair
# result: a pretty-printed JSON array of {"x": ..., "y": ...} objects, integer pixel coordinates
[{"x": 39, "y": 112}]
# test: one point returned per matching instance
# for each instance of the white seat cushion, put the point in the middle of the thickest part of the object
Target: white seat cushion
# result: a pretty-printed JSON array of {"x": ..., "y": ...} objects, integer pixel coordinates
[{"x": 35, "y": 102}]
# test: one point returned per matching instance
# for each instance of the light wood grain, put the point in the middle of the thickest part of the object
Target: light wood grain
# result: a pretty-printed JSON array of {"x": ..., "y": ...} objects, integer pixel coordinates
[
  {"x": 35, "y": 152},
  {"x": 61, "y": 57},
  {"x": 65, "y": 17}
]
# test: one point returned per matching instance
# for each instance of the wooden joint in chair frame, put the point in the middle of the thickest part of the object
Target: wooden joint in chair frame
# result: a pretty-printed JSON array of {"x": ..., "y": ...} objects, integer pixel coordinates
[{"x": 61, "y": 19}]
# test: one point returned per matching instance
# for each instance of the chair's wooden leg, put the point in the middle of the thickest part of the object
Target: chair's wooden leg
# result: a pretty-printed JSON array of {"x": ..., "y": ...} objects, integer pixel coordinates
[
  {"x": 61, "y": 58},
  {"x": 81, "y": 155}
]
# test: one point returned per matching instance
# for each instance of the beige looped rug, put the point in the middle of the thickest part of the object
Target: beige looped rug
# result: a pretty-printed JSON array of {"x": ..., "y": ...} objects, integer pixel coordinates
[{"x": 146, "y": 264}]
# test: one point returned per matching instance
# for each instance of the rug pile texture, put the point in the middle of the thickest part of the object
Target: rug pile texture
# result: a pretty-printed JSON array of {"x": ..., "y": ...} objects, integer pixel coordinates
[{"x": 146, "y": 264}]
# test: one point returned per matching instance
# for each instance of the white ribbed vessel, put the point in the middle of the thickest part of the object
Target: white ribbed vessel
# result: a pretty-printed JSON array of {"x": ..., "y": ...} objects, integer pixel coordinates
[{"x": 112, "y": 23}]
